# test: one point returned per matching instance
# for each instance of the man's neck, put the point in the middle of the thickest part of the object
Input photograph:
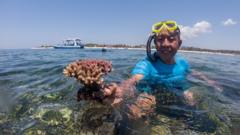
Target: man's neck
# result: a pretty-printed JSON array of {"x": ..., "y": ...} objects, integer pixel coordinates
[{"x": 168, "y": 60}]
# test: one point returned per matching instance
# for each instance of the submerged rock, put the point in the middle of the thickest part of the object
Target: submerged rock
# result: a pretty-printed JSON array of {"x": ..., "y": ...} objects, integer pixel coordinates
[
  {"x": 95, "y": 118},
  {"x": 3, "y": 118},
  {"x": 34, "y": 132},
  {"x": 42, "y": 129},
  {"x": 52, "y": 96},
  {"x": 25, "y": 105},
  {"x": 160, "y": 130},
  {"x": 54, "y": 117}
]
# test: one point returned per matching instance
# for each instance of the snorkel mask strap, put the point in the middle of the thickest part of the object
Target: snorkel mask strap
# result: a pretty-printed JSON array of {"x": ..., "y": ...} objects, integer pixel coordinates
[{"x": 148, "y": 48}]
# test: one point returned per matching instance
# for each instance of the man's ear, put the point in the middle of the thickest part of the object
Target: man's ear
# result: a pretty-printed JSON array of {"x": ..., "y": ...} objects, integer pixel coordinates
[{"x": 179, "y": 43}]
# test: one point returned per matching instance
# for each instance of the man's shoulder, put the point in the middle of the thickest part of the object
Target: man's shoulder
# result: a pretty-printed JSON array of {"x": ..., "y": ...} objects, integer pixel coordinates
[
  {"x": 142, "y": 67},
  {"x": 144, "y": 61},
  {"x": 181, "y": 61}
]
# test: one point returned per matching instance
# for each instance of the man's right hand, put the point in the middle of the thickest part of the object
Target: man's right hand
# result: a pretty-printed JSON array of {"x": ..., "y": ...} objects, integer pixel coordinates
[
  {"x": 114, "y": 94},
  {"x": 109, "y": 89}
]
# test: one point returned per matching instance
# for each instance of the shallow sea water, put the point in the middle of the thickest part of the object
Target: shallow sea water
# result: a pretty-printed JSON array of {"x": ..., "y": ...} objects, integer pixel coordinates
[{"x": 36, "y": 98}]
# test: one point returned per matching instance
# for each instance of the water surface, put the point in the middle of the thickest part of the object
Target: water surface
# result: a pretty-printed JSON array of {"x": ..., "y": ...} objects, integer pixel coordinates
[{"x": 32, "y": 80}]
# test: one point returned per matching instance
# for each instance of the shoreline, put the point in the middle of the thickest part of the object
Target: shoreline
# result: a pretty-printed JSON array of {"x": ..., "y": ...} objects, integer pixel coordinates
[
  {"x": 143, "y": 49},
  {"x": 184, "y": 51}
]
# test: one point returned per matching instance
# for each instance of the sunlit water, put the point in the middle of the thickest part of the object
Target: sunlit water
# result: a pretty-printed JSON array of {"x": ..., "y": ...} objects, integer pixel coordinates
[{"x": 32, "y": 80}]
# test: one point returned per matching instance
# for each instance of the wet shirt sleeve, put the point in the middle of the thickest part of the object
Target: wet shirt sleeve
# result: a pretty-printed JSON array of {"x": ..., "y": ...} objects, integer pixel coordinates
[{"x": 142, "y": 67}]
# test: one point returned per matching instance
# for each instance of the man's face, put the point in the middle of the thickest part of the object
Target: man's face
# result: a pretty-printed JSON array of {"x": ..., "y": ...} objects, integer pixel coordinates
[{"x": 167, "y": 45}]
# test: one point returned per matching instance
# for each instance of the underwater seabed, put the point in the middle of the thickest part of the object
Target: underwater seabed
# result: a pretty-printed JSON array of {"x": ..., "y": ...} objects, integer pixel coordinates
[
  {"x": 33, "y": 116},
  {"x": 57, "y": 113},
  {"x": 174, "y": 117}
]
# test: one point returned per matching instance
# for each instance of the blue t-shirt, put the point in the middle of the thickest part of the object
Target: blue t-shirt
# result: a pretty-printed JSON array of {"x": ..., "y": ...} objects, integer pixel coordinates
[{"x": 172, "y": 76}]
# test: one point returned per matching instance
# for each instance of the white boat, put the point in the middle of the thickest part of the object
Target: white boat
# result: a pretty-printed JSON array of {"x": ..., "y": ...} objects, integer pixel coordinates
[{"x": 70, "y": 44}]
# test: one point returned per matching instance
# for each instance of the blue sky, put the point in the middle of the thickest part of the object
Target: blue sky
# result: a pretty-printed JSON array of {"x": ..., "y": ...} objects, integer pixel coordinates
[{"x": 213, "y": 24}]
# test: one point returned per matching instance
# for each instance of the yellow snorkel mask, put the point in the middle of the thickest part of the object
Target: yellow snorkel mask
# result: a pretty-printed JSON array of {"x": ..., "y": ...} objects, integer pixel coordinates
[{"x": 171, "y": 26}]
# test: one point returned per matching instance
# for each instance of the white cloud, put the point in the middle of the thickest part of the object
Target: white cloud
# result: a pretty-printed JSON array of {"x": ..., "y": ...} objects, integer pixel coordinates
[
  {"x": 188, "y": 32},
  {"x": 229, "y": 22}
]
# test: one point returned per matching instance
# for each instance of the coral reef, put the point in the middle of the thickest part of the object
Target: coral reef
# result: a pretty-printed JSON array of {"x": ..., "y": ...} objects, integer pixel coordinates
[
  {"x": 54, "y": 117},
  {"x": 160, "y": 130},
  {"x": 95, "y": 118},
  {"x": 89, "y": 73}
]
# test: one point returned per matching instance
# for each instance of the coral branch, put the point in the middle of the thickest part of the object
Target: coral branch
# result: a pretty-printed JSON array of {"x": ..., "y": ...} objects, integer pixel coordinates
[{"x": 89, "y": 73}]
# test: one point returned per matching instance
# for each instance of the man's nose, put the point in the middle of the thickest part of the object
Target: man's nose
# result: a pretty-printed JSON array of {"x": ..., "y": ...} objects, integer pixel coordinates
[{"x": 165, "y": 42}]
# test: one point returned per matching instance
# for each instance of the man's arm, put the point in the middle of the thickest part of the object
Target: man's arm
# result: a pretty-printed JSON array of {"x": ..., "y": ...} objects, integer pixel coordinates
[
  {"x": 134, "y": 79},
  {"x": 116, "y": 92},
  {"x": 203, "y": 77}
]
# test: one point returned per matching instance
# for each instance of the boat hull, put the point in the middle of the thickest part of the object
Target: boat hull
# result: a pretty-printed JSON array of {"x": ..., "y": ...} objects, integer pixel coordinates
[{"x": 68, "y": 47}]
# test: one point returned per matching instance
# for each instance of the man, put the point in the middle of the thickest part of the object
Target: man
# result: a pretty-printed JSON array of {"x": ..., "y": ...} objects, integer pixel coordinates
[{"x": 164, "y": 67}]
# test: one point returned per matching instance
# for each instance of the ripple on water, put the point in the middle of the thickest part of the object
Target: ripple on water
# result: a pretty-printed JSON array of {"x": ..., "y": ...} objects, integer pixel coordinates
[{"x": 32, "y": 80}]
